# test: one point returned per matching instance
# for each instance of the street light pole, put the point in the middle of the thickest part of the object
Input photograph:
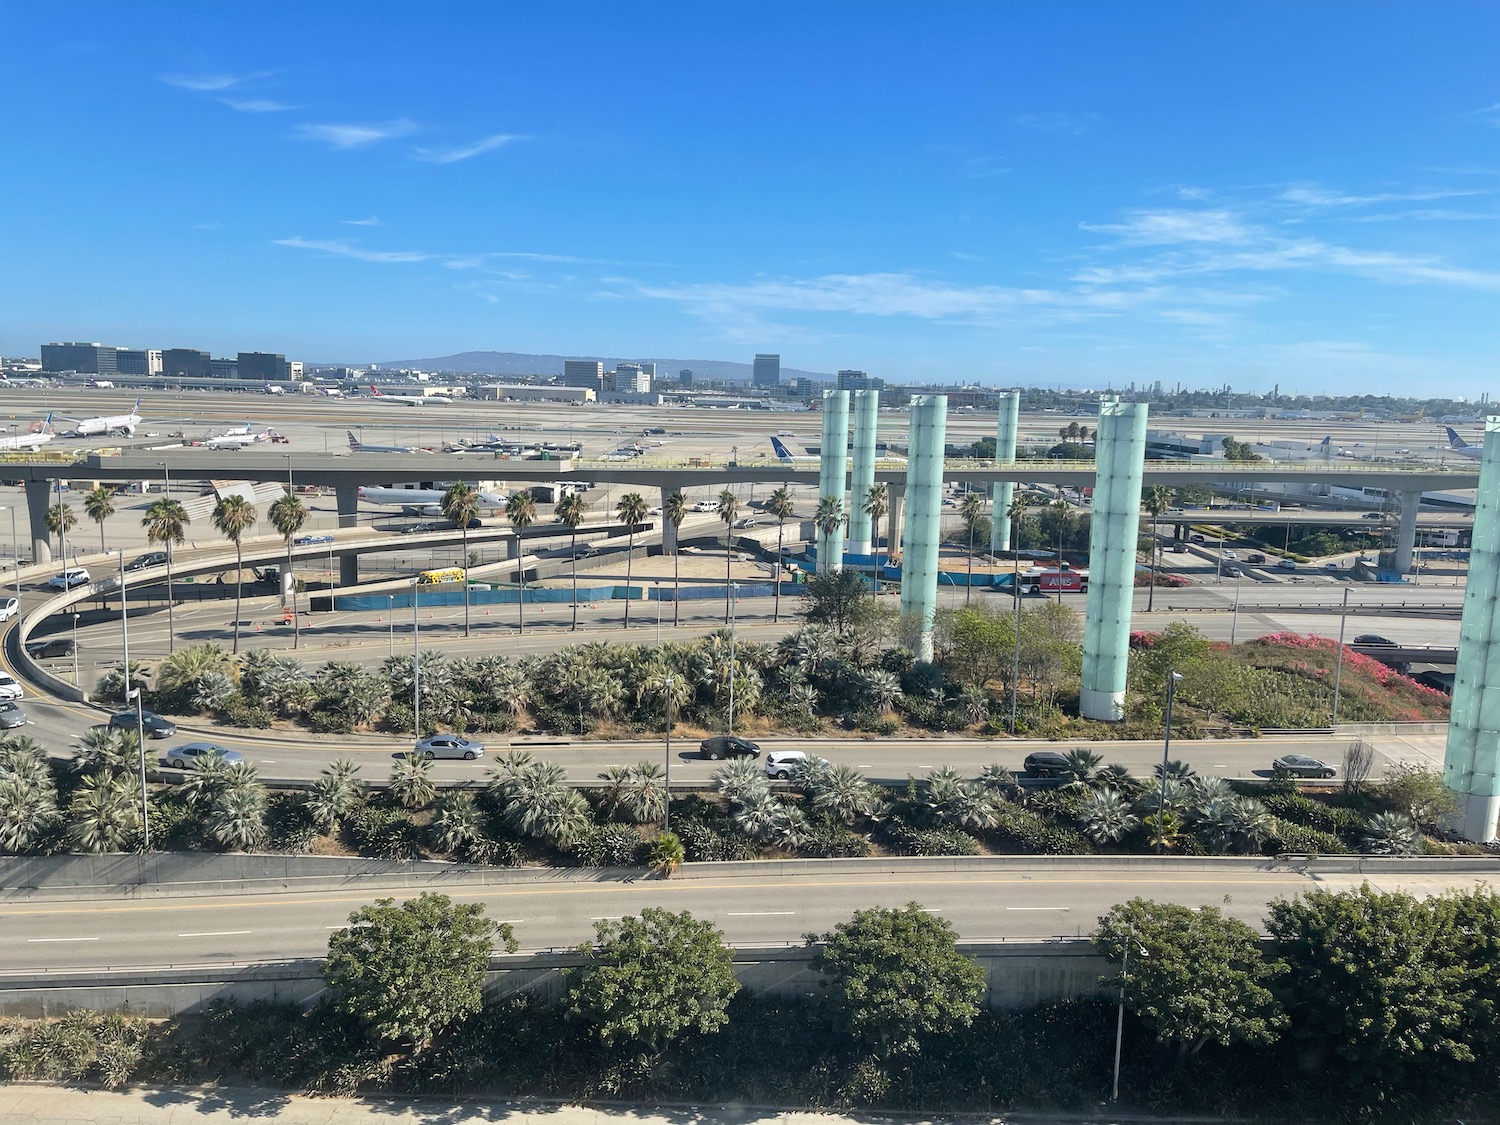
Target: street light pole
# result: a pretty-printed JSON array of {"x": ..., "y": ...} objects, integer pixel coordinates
[
  {"x": 670, "y": 684},
  {"x": 76, "y": 681},
  {"x": 1166, "y": 746},
  {"x": 1338, "y": 660},
  {"x": 1114, "y": 1095},
  {"x": 1234, "y": 622},
  {"x": 416, "y": 667}
]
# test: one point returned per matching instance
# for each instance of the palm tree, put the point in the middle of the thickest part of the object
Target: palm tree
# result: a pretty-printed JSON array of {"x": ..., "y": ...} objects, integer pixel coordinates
[
  {"x": 674, "y": 511},
  {"x": 288, "y": 514},
  {"x": 876, "y": 504},
  {"x": 165, "y": 521},
  {"x": 99, "y": 505},
  {"x": 729, "y": 511},
  {"x": 521, "y": 510},
  {"x": 335, "y": 794},
  {"x": 1156, "y": 500},
  {"x": 103, "y": 815},
  {"x": 570, "y": 510},
  {"x": 780, "y": 506},
  {"x": 460, "y": 504},
  {"x": 458, "y": 823},
  {"x": 828, "y": 518},
  {"x": 1084, "y": 765},
  {"x": 411, "y": 781},
  {"x": 632, "y": 511},
  {"x": 1016, "y": 512},
  {"x": 1063, "y": 511},
  {"x": 237, "y": 820},
  {"x": 232, "y": 517},
  {"x": 970, "y": 509},
  {"x": 60, "y": 521}
]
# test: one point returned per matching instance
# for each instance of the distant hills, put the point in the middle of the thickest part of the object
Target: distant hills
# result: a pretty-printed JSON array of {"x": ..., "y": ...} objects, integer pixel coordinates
[{"x": 523, "y": 363}]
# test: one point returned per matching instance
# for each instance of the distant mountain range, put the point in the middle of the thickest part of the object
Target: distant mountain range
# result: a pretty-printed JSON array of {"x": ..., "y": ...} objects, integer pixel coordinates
[{"x": 523, "y": 363}]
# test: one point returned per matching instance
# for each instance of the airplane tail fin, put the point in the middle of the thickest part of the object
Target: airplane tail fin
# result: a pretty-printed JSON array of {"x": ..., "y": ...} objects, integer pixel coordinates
[
  {"x": 136, "y": 409},
  {"x": 1327, "y": 441},
  {"x": 374, "y": 390},
  {"x": 782, "y": 453},
  {"x": 1454, "y": 440},
  {"x": 354, "y": 446}
]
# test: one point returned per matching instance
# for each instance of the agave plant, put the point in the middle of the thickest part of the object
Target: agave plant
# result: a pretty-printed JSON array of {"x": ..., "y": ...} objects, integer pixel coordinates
[
  {"x": 740, "y": 780},
  {"x": 1391, "y": 833},
  {"x": 1105, "y": 816}
]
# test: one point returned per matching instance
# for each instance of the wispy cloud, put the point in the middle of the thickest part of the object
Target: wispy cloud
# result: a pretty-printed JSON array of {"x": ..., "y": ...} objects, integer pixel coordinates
[
  {"x": 255, "y": 105},
  {"x": 372, "y": 221},
  {"x": 349, "y": 250},
  {"x": 965, "y": 256},
  {"x": 346, "y": 136},
  {"x": 1490, "y": 115},
  {"x": 1426, "y": 215},
  {"x": 208, "y": 81},
  {"x": 1071, "y": 124},
  {"x": 464, "y": 152},
  {"x": 1170, "y": 227},
  {"x": 1312, "y": 195}
]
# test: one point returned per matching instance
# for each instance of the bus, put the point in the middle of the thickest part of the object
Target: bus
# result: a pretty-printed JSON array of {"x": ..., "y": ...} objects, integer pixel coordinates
[
  {"x": 1039, "y": 580},
  {"x": 1437, "y": 537},
  {"x": 443, "y": 574}
]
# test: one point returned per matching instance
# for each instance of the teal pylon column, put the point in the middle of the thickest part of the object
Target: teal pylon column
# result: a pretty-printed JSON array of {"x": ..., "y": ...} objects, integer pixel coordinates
[
  {"x": 1471, "y": 766},
  {"x": 862, "y": 471},
  {"x": 1006, "y": 426},
  {"x": 833, "y": 468},
  {"x": 924, "y": 515},
  {"x": 1119, "y": 457}
]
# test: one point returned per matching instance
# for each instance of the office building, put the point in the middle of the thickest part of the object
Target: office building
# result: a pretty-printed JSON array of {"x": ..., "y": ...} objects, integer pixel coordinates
[
  {"x": 767, "y": 371},
  {"x": 685, "y": 377},
  {"x": 138, "y": 361},
  {"x": 86, "y": 359},
  {"x": 536, "y": 393},
  {"x": 186, "y": 363},
  {"x": 224, "y": 368},
  {"x": 629, "y": 378},
  {"x": 584, "y": 373},
  {"x": 262, "y": 365},
  {"x": 859, "y": 381},
  {"x": 800, "y": 387}
]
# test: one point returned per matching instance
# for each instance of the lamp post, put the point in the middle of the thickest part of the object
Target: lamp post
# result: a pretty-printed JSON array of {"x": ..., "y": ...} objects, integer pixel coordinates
[
  {"x": 656, "y": 593},
  {"x": 76, "y": 681},
  {"x": 140, "y": 717},
  {"x": 1234, "y": 622},
  {"x": 669, "y": 684},
  {"x": 416, "y": 667},
  {"x": 1166, "y": 746},
  {"x": 1338, "y": 660},
  {"x": 1114, "y": 1094}
]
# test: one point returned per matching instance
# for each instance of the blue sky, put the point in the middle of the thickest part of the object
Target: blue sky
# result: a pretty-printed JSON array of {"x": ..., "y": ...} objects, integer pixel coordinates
[{"x": 1303, "y": 194}]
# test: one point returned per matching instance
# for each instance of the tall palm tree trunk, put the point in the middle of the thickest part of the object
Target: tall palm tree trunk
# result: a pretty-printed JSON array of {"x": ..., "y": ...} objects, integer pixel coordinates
[
  {"x": 289, "y": 577},
  {"x": 728, "y": 558},
  {"x": 969, "y": 586},
  {"x": 776, "y": 593},
  {"x": 239, "y": 585},
  {"x": 676, "y": 586},
  {"x": 1155, "y": 555},
  {"x": 629, "y": 569},
  {"x": 171, "y": 620},
  {"x": 466, "y": 577},
  {"x": 520, "y": 587},
  {"x": 575, "y": 580}
]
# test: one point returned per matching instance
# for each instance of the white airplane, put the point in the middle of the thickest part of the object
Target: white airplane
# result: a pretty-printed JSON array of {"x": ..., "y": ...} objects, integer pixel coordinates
[
  {"x": 1461, "y": 448},
  {"x": 273, "y": 390},
  {"x": 424, "y": 501},
  {"x": 33, "y": 440},
  {"x": 787, "y": 457},
  {"x": 408, "y": 400},
  {"x": 238, "y": 439},
  {"x": 7, "y": 381},
  {"x": 357, "y": 446},
  {"x": 108, "y": 425}
]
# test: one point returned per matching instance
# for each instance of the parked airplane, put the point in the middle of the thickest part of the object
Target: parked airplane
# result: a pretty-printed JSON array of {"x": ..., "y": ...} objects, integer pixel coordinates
[
  {"x": 238, "y": 439},
  {"x": 408, "y": 400},
  {"x": 357, "y": 446},
  {"x": 108, "y": 425},
  {"x": 33, "y": 440},
  {"x": 1458, "y": 446},
  {"x": 271, "y": 389},
  {"x": 7, "y": 381},
  {"x": 424, "y": 501},
  {"x": 787, "y": 457}
]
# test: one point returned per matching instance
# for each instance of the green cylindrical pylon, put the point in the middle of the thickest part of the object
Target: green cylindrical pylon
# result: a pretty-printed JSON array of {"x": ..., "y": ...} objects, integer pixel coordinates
[
  {"x": 924, "y": 515},
  {"x": 1471, "y": 766},
  {"x": 1005, "y": 454},
  {"x": 833, "y": 467},
  {"x": 862, "y": 469},
  {"x": 1119, "y": 457}
]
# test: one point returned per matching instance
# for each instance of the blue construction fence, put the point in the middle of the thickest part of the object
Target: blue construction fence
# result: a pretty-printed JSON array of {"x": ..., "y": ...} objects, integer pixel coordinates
[
  {"x": 866, "y": 564},
  {"x": 546, "y": 595}
]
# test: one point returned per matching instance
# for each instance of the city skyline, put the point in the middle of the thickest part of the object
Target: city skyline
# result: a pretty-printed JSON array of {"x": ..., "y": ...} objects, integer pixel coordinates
[{"x": 957, "y": 194}]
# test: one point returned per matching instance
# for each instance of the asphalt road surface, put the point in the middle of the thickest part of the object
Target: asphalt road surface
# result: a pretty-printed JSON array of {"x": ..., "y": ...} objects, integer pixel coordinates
[{"x": 752, "y": 910}]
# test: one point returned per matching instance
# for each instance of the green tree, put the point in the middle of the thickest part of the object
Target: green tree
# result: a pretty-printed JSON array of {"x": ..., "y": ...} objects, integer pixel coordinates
[
  {"x": 674, "y": 511},
  {"x": 729, "y": 511},
  {"x": 520, "y": 509},
  {"x": 649, "y": 980},
  {"x": 233, "y": 515},
  {"x": 836, "y": 598},
  {"x": 1195, "y": 977},
  {"x": 1016, "y": 511},
  {"x": 287, "y": 515},
  {"x": 409, "y": 971},
  {"x": 876, "y": 503},
  {"x": 780, "y": 505},
  {"x": 571, "y": 509},
  {"x": 897, "y": 978},
  {"x": 99, "y": 505},
  {"x": 460, "y": 505},
  {"x": 632, "y": 511},
  {"x": 828, "y": 518},
  {"x": 1156, "y": 500},
  {"x": 61, "y": 520},
  {"x": 166, "y": 522}
]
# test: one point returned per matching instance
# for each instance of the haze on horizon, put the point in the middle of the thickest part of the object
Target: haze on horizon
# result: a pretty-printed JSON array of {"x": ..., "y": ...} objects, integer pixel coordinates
[{"x": 1275, "y": 193}]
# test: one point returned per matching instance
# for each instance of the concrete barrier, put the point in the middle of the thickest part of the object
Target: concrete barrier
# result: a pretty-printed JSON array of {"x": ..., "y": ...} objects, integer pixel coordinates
[
  {"x": 169, "y": 874},
  {"x": 1018, "y": 974}
]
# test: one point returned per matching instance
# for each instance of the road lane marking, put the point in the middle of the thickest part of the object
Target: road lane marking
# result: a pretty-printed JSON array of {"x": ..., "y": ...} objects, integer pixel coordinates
[
  {"x": 760, "y": 914},
  {"x": 1038, "y": 908},
  {"x": 217, "y": 933},
  {"x": 40, "y": 940}
]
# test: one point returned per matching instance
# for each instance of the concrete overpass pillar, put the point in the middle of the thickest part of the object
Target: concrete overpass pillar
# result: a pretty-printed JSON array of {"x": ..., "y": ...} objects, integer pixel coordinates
[
  {"x": 668, "y": 528},
  {"x": 1005, "y": 454},
  {"x": 862, "y": 470},
  {"x": 1119, "y": 451},
  {"x": 1406, "y": 532},
  {"x": 347, "y": 497},
  {"x": 833, "y": 468},
  {"x": 349, "y": 569},
  {"x": 924, "y": 476},
  {"x": 38, "y": 495},
  {"x": 1471, "y": 765},
  {"x": 894, "y": 516}
]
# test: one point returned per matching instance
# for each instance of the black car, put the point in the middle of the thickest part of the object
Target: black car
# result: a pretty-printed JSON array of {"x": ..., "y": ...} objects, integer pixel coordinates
[
  {"x": 147, "y": 561},
  {"x": 728, "y": 746},
  {"x": 1373, "y": 639},
  {"x": 1047, "y": 763},
  {"x": 152, "y": 723},
  {"x": 47, "y": 650}
]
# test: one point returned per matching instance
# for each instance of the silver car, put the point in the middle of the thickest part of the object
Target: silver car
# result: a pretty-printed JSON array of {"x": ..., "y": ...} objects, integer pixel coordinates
[
  {"x": 449, "y": 746},
  {"x": 190, "y": 753}
]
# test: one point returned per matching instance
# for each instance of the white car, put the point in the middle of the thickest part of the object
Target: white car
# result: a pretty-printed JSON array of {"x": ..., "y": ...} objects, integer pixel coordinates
[
  {"x": 9, "y": 689},
  {"x": 9, "y": 608},
  {"x": 706, "y": 506},
  {"x": 781, "y": 764},
  {"x": 73, "y": 576}
]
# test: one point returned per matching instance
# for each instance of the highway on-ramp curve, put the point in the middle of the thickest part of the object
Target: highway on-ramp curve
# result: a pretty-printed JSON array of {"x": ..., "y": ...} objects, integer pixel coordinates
[{"x": 983, "y": 901}]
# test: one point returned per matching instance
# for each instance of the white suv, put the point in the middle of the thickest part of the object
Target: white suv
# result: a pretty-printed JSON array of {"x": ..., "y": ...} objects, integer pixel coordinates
[
  {"x": 9, "y": 689},
  {"x": 781, "y": 764},
  {"x": 73, "y": 576}
]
